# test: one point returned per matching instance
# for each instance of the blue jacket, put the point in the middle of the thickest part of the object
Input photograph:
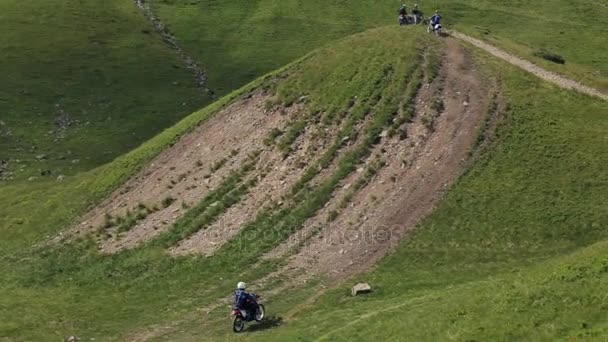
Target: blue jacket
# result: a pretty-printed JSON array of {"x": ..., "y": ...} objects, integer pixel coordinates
[
  {"x": 240, "y": 298},
  {"x": 436, "y": 19}
]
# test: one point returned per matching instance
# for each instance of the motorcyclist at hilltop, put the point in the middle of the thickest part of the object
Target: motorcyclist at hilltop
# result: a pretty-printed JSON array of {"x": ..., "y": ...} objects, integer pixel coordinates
[
  {"x": 403, "y": 10},
  {"x": 243, "y": 300},
  {"x": 416, "y": 11},
  {"x": 436, "y": 19}
]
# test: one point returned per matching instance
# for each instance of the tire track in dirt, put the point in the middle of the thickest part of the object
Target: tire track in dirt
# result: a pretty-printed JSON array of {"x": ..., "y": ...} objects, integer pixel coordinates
[
  {"x": 280, "y": 175},
  {"x": 530, "y": 67},
  {"x": 417, "y": 173},
  {"x": 268, "y": 190}
]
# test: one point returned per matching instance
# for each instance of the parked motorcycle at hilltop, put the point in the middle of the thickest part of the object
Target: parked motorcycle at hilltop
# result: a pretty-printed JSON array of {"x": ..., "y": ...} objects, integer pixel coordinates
[
  {"x": 242, "y": 316},
  {"x": 418, "y": 17}
]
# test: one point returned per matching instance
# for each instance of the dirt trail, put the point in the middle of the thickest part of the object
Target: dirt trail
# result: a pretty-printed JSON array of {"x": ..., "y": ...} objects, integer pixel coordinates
[{"x": 531, "y": 68}]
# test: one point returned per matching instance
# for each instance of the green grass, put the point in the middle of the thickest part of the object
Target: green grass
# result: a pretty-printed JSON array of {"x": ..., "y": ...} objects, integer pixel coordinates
[
  {"x": 117, "y": 81},
  {"x": 35, "y": 211},
  {"x": 260, "y": 36},
  {"x": 555, "y": 300},
  {"x": 516, "y": 250},
  {"x": 526, "y": 28},
  {"x": 214, "y": 31},
  {"x": 93, "y": 61},
  {"x": 78, "y": 286}
]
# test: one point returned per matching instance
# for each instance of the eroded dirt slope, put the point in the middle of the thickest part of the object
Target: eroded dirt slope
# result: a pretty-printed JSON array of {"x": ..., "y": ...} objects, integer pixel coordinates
[
  {"x": 408, "y": 169},
  {"x": 418, "y": 171},
  {"x": 370, "y": 210},
  {"x": 185, "y": 173}
]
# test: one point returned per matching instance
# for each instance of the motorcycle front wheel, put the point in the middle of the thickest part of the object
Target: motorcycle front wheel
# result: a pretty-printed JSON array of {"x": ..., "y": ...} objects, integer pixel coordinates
[
  {"x": 260, "y": 313},
  {"x": 238, "y": 325}
]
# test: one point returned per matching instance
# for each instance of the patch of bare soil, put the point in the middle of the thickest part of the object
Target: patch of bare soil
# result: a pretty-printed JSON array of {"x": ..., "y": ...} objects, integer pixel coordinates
[
  {"x": 418, "y": 171},
  {"x": 279, "y": 174},
  {"x": 182, "y": 175}
]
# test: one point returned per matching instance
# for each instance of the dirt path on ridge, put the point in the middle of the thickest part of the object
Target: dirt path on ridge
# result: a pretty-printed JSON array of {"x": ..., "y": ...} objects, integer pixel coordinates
[{"x": 530, "y": 67}]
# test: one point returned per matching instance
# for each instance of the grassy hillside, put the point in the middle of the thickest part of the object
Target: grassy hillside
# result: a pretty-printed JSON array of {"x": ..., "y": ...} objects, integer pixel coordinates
[
  {"x": 147, "y": 286},
  {"x": 516, "y": 250},
  {"x": 82, "y": 83},
  {"x": 529, "y": 28},
  {"x": 259, "y": 36},
  {"x": 87, "y": 93},
  {"x": 490, "y": 242}
]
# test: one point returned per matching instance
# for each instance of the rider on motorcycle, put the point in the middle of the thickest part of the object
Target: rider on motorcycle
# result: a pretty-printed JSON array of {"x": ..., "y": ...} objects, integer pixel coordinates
[
  {"x": 436, "y": 19},
  {"x": 403, "y": 10},
  {"x": 417, "y": 12},
  {"x": 243, "y": 300}
]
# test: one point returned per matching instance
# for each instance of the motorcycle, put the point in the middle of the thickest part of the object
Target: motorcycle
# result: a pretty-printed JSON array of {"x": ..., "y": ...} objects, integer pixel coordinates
[
  {"x": 418, "y": 17},
  {"x": 406, "y": 20},
  {"x": 242, "y": 316},
  {"x": 437, "y": 29}
]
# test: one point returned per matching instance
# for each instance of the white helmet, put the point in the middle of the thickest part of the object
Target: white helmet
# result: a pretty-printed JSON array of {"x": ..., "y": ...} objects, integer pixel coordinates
[{"x": 241, "y": 285}]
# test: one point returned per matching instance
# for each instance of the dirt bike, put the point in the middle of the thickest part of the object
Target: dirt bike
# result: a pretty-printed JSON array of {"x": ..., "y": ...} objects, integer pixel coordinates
[
  {"x": 403, "y": 20},
  {"x": 418, "y": 18},
  {"x": 437, "y": 29},
  {"x": 242, "y": 316}
]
